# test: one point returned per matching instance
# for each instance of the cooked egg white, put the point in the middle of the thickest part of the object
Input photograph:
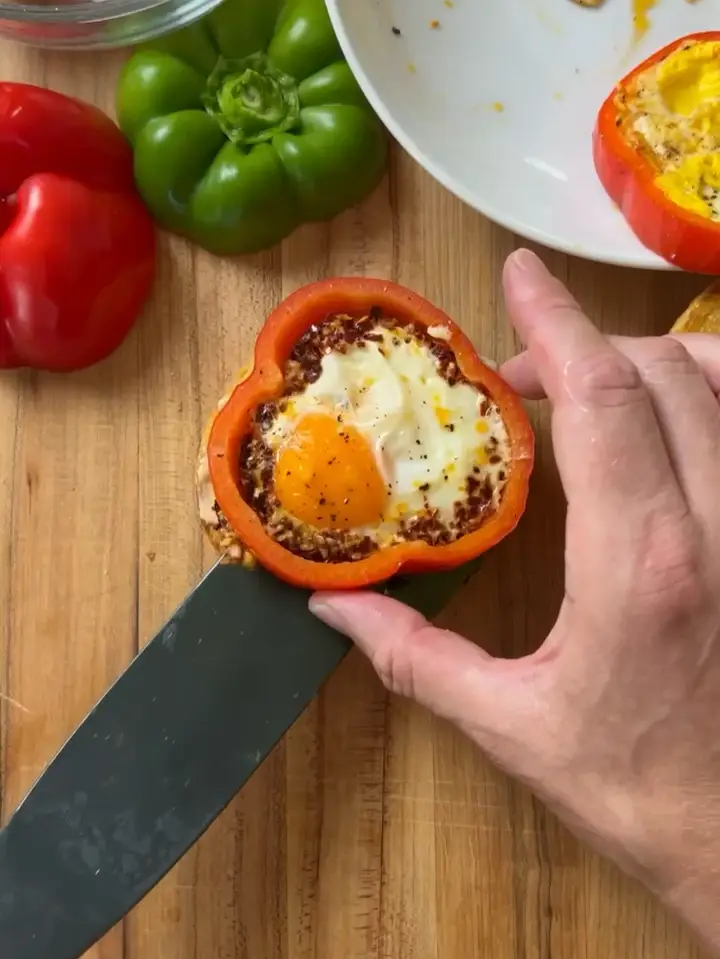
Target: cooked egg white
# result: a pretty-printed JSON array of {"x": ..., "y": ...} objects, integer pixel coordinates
[
  {"x": 380, "y": 436},
  {"x": 675, "y": 110}
]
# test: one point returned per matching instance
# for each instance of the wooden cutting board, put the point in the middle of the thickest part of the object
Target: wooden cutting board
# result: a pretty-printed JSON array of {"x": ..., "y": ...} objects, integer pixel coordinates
[{"x": 374, "y": 831}]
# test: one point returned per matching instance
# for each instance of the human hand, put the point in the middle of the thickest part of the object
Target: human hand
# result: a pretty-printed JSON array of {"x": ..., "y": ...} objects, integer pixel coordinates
[{"x": 613, "y": 722}]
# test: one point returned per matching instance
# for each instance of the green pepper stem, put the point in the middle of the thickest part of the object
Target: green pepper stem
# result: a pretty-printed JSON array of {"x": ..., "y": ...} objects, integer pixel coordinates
[{"x": 251, "y": 100}]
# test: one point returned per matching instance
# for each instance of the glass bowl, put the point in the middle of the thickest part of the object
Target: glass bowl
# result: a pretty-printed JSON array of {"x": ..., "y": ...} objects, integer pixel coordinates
[{"x": 97, "y": 24}]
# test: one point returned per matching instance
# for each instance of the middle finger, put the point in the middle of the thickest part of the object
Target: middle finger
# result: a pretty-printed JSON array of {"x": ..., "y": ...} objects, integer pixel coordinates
[
  {"x": 521, "y": 373},
  {"x": 682, "y": 377}
]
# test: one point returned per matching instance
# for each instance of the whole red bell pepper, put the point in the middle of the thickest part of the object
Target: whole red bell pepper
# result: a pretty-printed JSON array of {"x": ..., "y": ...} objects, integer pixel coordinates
[
  {"x": 652, "y": 157},
  {"x": 77, "y": 247}
]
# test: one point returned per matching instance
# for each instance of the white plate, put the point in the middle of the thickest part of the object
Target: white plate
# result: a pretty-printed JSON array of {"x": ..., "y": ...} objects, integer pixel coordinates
[{"x": 499, "y": 102}]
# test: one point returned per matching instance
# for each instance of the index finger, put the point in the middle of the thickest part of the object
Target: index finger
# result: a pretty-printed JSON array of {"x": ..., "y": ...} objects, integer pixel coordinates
[{"x": 608, "y": 443}]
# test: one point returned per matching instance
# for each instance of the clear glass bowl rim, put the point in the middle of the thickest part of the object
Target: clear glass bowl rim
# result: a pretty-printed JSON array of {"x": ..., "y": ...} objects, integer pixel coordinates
[{"x": 87, "y": 11}]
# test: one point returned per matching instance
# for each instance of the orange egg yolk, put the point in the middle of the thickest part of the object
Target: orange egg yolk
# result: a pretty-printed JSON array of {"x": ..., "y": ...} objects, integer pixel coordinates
[{"x": 326, "y": 476}]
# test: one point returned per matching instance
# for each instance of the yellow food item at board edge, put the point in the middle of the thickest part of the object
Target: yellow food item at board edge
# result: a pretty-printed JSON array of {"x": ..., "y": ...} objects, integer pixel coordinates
[{"x": 703, "y": 314}]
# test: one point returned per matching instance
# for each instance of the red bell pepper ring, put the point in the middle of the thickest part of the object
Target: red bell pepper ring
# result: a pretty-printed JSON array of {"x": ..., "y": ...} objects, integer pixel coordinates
[
  {"x": 77, "y": 247},
  {"x": 357, "y": 297},
  {"x": 630, "y": 170}
]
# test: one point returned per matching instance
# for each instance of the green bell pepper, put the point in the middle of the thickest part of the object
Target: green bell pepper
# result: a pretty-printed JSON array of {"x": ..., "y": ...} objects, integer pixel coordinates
[{"x": 247, "y": 124}]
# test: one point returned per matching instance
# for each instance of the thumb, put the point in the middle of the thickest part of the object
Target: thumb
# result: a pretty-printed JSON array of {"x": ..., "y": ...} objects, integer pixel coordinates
[{"x": 487, "y": 697}]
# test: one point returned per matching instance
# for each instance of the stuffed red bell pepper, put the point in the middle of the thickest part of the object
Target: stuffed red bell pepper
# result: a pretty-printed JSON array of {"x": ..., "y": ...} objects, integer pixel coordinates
[
  {"x": 657, "y": 151},
  {"x": 77, "y": 247},
  {"x": 368, "y": 439}
]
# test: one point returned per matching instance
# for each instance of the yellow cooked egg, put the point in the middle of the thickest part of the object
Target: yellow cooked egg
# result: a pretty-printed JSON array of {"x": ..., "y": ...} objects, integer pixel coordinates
[
  {"x": 695, "y": 184},
  {"x": 672, "y": 111},
  {"x": 689, "y": 79}
]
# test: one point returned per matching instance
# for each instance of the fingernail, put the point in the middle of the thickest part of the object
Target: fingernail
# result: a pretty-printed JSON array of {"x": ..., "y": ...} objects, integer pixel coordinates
[
  {"x": 525, "y": 261},
  {"x": 328, "y": 614}
]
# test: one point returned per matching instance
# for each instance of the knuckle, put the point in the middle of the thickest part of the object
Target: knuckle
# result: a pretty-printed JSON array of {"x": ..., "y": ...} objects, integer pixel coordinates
[
  {"x": 396, "y": 663},
  {"x": 664, "y": 357},
  {"x": 668, "y": 349},
  {"x": 395, "y": 670},
  {"x": 672, "y": 568},
  {"x": 605, "y": 379}
]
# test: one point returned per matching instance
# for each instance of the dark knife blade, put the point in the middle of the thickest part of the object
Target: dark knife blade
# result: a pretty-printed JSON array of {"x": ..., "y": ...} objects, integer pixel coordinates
[{"x": 163, "y": 752}]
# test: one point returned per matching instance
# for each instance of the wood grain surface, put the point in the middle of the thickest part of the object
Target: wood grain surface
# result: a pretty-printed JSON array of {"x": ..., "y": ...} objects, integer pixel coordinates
[{"x": 373, "y": 831}]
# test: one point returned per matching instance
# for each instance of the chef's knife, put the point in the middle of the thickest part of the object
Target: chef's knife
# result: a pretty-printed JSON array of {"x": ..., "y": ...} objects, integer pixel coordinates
[{"x": 163, "y": 753}]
